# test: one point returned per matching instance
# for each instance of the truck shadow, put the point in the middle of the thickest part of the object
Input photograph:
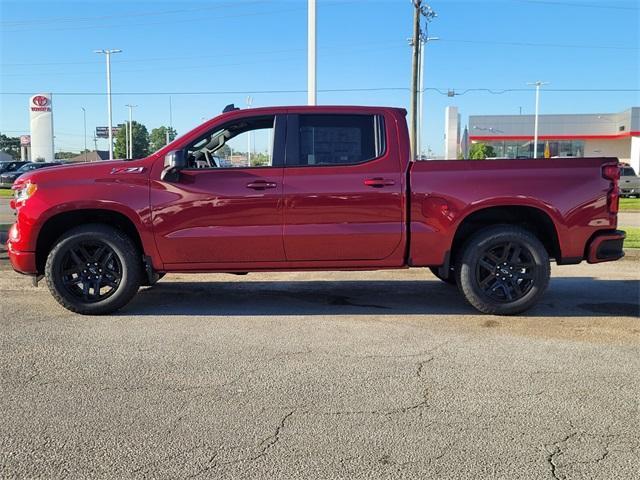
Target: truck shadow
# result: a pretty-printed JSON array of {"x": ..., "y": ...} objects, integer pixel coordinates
[{"x": 567, "y": 296}]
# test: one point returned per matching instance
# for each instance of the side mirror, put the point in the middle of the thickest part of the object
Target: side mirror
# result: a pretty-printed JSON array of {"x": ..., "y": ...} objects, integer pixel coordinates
[{"x": 173, "y": 162}]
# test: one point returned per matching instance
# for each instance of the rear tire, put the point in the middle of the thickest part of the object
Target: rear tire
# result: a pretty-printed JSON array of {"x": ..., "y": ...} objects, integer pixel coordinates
[
  {"x": 503, "y": 270},
  {"x": 451, "y": 279},
  {"x": 93, "y": 270}
]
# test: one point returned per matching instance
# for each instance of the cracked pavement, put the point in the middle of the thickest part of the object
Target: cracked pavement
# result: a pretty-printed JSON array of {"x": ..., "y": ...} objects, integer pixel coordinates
[{"x": 323, "y": 375}]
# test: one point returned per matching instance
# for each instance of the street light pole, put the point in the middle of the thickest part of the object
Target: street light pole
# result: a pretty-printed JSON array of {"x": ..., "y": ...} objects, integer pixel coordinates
[
  {"x": 108, "y": 53},
  {"x": 311, "y": 53},
  {"x": 126, "y": 138},
  {"x": 84, "y": 117},
  {"x": 170, "y": 122},
  {"x": 537, "y": 84},
  {"x": 249, "y": 103},
  {"x": 130, "y": 152}
]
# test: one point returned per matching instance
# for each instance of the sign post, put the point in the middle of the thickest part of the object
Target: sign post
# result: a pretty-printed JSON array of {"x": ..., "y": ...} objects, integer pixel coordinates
[{"x": 41, "y": 119}]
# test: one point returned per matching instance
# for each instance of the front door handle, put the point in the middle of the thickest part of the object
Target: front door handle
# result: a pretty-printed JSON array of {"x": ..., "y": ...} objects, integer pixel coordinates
[
  {"x": 378, "y": 182},
  {"x": 261, "y": 185}
]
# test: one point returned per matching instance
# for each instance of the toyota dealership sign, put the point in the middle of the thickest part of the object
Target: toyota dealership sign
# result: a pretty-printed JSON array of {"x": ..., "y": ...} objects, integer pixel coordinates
[
  {"x": 40, "y": 103},
  {"x": 41, "y": 115}
]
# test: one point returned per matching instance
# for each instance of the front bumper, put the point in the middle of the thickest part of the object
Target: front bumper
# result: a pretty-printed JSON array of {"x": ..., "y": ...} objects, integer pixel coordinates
[
  {"x": 22, "y": 262},
  {"x": 606, "y": 247}
]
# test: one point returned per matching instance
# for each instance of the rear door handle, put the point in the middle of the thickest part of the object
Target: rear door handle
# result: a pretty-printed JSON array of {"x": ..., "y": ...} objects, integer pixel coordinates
[
  {"x": 378, "y": 182},
  {"x": 261, "y": 185}
]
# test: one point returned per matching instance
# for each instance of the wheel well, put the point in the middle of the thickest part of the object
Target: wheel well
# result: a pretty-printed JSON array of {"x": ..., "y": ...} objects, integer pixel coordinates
[
  {"x": 61, "y": 223},
  {"x": 530, "y": 218}
]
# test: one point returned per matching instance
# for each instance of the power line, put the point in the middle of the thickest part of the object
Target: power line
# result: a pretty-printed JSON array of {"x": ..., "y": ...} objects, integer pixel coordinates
[
  {"x": 544, "y": 45},
  {"x": 580, "y": 4},
  {"x": 361, "y": 47},
  {"x": 146, "y": 24},
  {"x": 200, "y": 66},
  {"x": 235, "y": 92},
  {"x": 146, "y": 14},
  {"x": 440, "y": 90},
  {"x": 121, "y": 24}
]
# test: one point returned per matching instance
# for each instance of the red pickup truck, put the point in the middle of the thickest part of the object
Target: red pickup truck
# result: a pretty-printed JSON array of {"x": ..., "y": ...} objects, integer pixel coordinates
[{"x": 315, "y": 188}]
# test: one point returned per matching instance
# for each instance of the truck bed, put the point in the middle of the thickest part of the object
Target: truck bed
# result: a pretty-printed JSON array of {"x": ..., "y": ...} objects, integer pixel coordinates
[{"x": 570, "y": 191}]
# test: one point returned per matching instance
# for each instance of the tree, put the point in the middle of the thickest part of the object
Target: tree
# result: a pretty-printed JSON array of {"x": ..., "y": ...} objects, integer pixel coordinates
[
  {"x": 64, "y": 155},
  {"x": 140, "y": 142},
  {"x": 158, "y": 137},
  {"x": 480, "y": 151},
  {"x": 10, "y": 145},
  {"x": 224, "y": 151}
]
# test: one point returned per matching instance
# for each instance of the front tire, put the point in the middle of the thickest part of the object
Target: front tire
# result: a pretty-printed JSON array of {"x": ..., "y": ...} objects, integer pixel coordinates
[
  {"x": 503, "y": 270},
  {"x": 93, "y": 270}
]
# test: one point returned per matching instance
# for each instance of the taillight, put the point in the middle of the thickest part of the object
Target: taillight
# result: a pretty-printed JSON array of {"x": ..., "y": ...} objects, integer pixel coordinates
[
  {"x": 613, "y": 199},
  {"x": 612, "y": 172}
]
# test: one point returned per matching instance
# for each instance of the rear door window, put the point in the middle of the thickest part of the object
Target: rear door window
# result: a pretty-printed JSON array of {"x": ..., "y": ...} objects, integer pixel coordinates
[{"x": 330, "y": 140}]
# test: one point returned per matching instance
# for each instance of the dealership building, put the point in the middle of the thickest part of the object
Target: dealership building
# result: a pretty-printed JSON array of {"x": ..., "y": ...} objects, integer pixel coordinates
[{"x": 573, "y": 135}]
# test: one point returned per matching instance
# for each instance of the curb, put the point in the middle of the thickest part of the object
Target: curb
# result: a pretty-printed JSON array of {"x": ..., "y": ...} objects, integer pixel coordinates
[{"x": 632, "y": 254}]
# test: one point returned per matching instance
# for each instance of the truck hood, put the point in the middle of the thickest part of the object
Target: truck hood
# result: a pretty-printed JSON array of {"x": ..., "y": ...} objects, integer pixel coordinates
[{"x": 85, "y": 171}]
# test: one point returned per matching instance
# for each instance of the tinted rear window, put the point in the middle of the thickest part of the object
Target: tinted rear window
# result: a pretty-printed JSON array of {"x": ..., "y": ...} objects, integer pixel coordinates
[
  {"x": 627, "y": 171},
  {"x": 339, "y": 139}
]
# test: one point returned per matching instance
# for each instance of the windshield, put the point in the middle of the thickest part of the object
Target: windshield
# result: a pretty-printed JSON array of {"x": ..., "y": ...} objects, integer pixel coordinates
[{"x": 27, "y": 167}]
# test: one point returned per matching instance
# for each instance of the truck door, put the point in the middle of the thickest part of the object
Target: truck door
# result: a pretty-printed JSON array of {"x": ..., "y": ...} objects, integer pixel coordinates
[
  {"x": 227, "y": 205},
  {"x": 343, "y": 188}
]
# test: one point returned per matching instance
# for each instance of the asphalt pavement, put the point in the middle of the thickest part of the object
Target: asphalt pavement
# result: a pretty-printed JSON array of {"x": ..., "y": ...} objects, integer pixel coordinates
[
  {"x": 324, "y": 375},
  {"x": 6, "y": 214}
]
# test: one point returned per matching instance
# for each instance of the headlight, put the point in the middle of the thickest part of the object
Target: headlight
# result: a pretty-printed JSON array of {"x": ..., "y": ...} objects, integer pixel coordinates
[{"x": 24, "y": 192}]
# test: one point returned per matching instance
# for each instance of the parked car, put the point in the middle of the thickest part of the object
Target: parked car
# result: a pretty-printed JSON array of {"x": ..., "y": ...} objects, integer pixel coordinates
[
  {"x": 629, "y": 182},
  {"x": 10, "y": 166},
  {"x": 340, "y": 192},
  {"x": 8, "y": 178}
]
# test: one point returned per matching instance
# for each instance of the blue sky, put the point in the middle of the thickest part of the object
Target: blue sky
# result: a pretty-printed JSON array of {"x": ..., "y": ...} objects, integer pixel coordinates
[{"x": 245, "y": 45}]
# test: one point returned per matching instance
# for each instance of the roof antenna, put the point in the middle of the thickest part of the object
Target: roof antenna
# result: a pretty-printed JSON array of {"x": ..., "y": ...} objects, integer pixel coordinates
[{"x": 230, "y": 108}]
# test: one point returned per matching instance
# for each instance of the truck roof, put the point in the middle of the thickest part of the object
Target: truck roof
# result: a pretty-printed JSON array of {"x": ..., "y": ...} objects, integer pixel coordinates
[{"x": 324, "y": 108}]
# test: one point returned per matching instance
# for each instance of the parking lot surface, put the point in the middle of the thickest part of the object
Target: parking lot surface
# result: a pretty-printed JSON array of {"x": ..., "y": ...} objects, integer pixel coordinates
[{"x": 324, "y": 375}]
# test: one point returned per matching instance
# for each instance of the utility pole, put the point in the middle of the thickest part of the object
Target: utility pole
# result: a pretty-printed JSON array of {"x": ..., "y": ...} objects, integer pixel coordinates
[
  {"x": 537, "y": 84},
  {"x": 84, "y": 117},
  {"x": 130, "y": 107},
  {"x": 108, "y": 53},
  {"x": 416, "y": 42},
  {"x": 311, "y": 53}
]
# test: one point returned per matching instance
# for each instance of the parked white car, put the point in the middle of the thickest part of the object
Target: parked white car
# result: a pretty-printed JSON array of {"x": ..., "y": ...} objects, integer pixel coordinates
[{"x": 629, "y": 182}]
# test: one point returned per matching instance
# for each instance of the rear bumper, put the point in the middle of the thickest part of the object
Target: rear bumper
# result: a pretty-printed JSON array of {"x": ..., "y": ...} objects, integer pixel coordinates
[{"x": 606, "y": 247}]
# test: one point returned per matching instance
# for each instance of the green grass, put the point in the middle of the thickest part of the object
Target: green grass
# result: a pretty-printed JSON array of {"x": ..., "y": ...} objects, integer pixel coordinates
[
  {"x": 633, "y": 237},
  {"x": 6, "y": 193},
  {"x": 629, "y": 204}
]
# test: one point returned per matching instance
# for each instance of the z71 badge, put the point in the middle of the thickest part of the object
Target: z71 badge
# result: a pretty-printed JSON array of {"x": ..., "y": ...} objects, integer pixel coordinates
[{"x": 117, "y": 171}]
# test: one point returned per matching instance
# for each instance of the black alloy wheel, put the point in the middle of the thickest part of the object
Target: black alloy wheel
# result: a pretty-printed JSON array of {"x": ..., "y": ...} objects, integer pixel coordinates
[
  {"x": 94, "y": 269},
  {"x": 503, "y": 270},
  {"x": 506, "y": 271},
  {"x": 91, "y": 271}
]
